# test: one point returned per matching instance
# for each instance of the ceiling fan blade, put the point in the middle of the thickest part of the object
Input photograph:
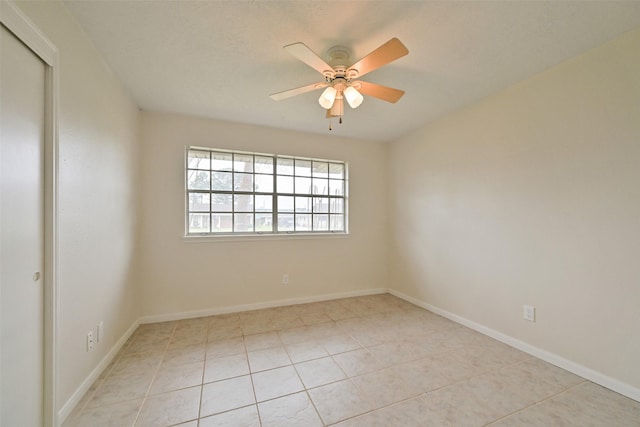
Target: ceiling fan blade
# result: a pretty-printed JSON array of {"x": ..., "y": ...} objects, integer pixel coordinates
[
  {"x": 385, "y": 93},
  {"x": 306, "y": 55},
  {"x": 388, "y": 52},
  {"x": 297, "y": 91}
]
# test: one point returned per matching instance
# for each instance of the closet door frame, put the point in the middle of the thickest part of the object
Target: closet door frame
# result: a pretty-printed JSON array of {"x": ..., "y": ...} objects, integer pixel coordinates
[{"x": 19, "y": 24}]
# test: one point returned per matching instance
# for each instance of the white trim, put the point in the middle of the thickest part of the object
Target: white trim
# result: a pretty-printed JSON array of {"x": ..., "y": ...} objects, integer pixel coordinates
[
  {"x": 209, "y": 238},
  {"x": 29, "y": 34},
  {"x": 588, "y": 373},
  {"x": 256, "y": 306},
  {"x": 18, "y": 23},
  {"x": 75, "y": 398}
]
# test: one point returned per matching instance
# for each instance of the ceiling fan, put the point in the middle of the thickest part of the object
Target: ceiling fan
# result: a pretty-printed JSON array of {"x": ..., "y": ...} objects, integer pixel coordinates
[{"x": 340, "y": 80}]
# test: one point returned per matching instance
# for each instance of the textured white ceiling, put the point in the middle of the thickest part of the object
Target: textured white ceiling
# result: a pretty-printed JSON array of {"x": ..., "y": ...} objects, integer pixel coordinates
[{"x": 221, "y": 59}]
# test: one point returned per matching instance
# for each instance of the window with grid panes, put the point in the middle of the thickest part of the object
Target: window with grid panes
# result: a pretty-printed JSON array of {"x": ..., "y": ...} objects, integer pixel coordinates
[{"x": 231, "y": 192}]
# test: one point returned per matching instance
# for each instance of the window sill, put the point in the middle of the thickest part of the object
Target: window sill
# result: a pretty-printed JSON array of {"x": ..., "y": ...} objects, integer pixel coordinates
[{"x": 262, "y": 237}]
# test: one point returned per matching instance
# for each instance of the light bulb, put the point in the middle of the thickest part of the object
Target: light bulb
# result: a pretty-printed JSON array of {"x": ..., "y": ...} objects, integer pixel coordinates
[
  {"x": 327, "y": 97},
  {"x": 354, "y": 98}
]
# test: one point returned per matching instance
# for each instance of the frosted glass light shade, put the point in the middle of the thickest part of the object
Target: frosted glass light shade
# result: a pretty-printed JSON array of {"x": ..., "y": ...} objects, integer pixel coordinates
[
  {"x": 327, "y": 97},
  {"x": 354, "y": 98}
]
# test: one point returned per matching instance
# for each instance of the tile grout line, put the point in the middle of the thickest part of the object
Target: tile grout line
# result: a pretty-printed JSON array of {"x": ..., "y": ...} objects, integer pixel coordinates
[
  {"x": 153, "y": 378},
  {"x": 418, "y": 396},
  {"x": 204, "y": 367},
  {"x": 540, "y": 402},
  {"x": 253, "y": 387}
]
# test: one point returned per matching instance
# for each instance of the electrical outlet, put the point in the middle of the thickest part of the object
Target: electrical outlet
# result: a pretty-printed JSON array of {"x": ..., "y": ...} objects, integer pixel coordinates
[
  {"x": 100, "y": 331},
  {"x": 90, "y": 341},
  {"x": 529, "y": 313},
  {"x": 285, "y": 279}
]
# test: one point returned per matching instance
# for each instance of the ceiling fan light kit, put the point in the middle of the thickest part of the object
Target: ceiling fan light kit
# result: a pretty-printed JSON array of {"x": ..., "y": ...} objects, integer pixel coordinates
[
  {"x": 340, "y": 80},
  {"x": 328, "y": 97},
  {"x": 353, "y": 97}
]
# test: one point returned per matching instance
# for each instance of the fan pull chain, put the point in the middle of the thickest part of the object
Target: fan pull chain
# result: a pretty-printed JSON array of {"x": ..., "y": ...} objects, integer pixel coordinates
[{"x": 339, "y": 121}]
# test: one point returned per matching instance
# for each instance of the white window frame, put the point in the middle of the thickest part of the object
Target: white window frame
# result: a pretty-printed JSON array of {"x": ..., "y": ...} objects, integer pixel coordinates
[{"x": 322, "y": 212}]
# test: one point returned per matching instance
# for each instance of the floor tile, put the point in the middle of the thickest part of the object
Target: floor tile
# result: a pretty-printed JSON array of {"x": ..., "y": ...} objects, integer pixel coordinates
[
  {"x": 551, "y": 413},
  {"x": 137, "y": 363},
  {"x": 222, "y": 368},
  {"x": 422, "y": 374},
  {"x": 197, "y": 323},
  {"x": 175, "y": 377},
  {"x": 156, "y": 329},
  {"x": 406, "y": 414},
  {"x": 193, "y": 423},
  {"x": 289, "y": 411},
  {"x": 384, "y": 387},
  {"x": 120, "y": 388},
  {"x": 287, "y": 322},
  {"x": 261, "y": 341},
  {"x": 324, "y": 330},
  {"x": 114, "y": 415},
  {"x": 357, "y": 362},
  {"x": 457, "y": 406},
  {"x": 143, "y": 344},
  {"x": 315, "y": 318},
  {"x": 224, "y": 320},
  {"x": 225, "y": 347},
  {"x": 225, "y": 395},
  {"x": 304, "y": 351},
  {"x": 392, "y": 353},
  {"x": 338, "y": 401},
  {"x": 319, "y": 372},
  {"x": 256, "y": 327},
  {"x": 339, "y": 344},
  {"x": 549, "y": 373},
  {"x": 501, "y": 396},
  {"x": 170, "y": 408},
  {"x": 268, "y": 358},
  {"x": 340, "y": 313},
  {"x": 224, "y": 332},
  {"x": 243, "y": 417},
  {"x": 183, "y": 355},
  {"x": 361, "y": 361},
  {"x": 599, "y": 405},
  {"x": 294, "y": 335},
  {"x": 276, "y": 382},
  {"x": 188, "y": 337}
]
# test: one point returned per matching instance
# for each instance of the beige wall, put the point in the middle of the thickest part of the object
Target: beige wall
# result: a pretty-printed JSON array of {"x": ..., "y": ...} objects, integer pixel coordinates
[
  {"x": 532, "y": 196},
  {"x": 178, "y": 276},
  {"x": 98, "y": 134}
]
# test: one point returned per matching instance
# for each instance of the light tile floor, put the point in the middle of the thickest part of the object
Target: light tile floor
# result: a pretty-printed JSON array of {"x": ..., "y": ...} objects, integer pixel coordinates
[{"x": 366, "y": 361}]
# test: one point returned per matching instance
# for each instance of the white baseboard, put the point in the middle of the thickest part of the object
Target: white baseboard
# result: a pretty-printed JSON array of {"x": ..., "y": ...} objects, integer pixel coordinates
[
  {"x": 256, "y": 306},
  {"x": 587, "y": 373},
  {"x": 73, "y": 401}
]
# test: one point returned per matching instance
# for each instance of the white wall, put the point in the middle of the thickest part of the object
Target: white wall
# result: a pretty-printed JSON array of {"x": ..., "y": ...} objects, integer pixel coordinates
[
  {"x": 532, "y": 196},
  {"x": 177, "y": 276},
  {"x": 98, "y": 134}
]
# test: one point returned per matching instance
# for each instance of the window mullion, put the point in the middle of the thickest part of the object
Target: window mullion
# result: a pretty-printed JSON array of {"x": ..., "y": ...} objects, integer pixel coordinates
[
  {"x": 233, "y": 192},
  {"x": 274, "y": 196}
]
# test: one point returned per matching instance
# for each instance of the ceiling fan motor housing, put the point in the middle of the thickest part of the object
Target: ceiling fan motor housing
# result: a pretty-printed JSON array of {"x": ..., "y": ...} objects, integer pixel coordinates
[{"x": 339, "y": 56}]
